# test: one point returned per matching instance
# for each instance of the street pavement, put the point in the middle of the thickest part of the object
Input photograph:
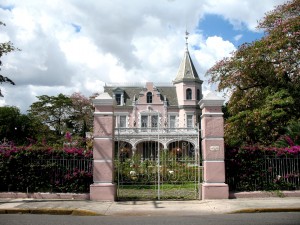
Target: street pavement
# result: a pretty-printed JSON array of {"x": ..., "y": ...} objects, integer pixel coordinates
[{"x": 148, "y": 208}]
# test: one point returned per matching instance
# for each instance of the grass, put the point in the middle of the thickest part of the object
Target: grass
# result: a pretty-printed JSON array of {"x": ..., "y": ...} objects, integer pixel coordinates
[{"x": 183, "y": 191}]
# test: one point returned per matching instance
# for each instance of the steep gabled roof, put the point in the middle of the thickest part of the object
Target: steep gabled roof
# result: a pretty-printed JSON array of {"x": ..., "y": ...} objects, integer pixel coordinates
[
  {"x": 133, "y": 92},
  {"x": 129, "y": 93},
  {"x": 170, "y": 93}
]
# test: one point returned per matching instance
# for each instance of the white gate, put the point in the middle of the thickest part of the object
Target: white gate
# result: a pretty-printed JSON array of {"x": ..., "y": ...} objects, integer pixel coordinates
[{"x": 153, "y": 172}]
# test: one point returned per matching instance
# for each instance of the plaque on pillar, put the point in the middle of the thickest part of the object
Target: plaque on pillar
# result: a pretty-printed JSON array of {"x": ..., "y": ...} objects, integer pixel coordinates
[{"x": 213, "y": 149}]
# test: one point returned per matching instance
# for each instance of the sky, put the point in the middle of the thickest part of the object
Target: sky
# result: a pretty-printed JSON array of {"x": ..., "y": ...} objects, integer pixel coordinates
[{"x": 79, "y": 46}]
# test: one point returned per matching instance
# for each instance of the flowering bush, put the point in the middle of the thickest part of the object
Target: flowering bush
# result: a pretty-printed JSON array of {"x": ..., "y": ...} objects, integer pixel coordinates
[
  {"x": 263, "y": 168},
  {"x": 41, "y": 168}
]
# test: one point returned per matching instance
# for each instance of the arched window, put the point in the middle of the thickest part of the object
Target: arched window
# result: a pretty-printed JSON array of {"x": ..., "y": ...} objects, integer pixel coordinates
[
  {"x": 149, "y": 97},
  {"x": 188, "y": 94},
  {"x": 198, "y": 94}
]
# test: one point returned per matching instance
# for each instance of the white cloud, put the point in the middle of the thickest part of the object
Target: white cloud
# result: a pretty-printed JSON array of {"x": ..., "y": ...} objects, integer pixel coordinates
[
  {"x": 211, "y": 50},
  {"x": 238, "y": 37},
  {"x": 118, "y": 41}
]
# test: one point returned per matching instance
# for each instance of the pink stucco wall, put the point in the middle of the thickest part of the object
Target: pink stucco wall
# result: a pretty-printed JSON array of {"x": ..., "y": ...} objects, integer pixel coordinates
[
  {"x": 212, "y": 132},
  {"x": 212, "y": 126},
  {"x": 214, "y": 171},
  {"x": 103, "y": 192},
  {"x": 103, "y": 125},
  {"x": 213, "y": 149},
  {"x": 215, "y": 191},
  {"x": 103, "y": 171},
  {"x": 102, "y": 149},
  {"x": 103, "y": 187}
]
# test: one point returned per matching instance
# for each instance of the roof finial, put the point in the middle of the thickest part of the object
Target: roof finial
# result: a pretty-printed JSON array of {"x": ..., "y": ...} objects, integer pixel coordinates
[{"x": 186, "y": 39}]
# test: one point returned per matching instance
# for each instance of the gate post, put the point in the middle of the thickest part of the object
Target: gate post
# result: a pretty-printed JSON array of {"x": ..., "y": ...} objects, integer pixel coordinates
[
  {"x": 212, "y": 133},
  {"x": 103, "y": 187}
]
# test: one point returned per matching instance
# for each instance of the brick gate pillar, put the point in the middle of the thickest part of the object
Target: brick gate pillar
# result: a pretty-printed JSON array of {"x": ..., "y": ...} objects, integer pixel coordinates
[
  {"x": 212, "y": 133},
  {"x": 103, "y": 187}
]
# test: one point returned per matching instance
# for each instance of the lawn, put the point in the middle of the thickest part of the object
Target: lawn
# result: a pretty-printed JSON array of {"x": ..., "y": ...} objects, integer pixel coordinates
[{"x": 183, "y": 191}]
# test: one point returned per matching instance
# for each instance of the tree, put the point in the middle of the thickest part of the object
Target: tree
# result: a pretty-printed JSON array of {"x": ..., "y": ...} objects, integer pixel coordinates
[
  {"x": 18, "y": 128},
  {"x": 263, "y": 79},
  {"x": 8, "y": 121},
  {"x": 63, "y": 113},
  {"x": 54, "y": 111},
  {"x": 5, "y": 48},
  {"x": 81, "y": 114}
]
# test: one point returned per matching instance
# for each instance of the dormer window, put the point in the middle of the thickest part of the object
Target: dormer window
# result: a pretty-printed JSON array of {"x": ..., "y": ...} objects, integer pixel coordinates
[
  {"x": 118, "y": 99},
  {"x": 188, "y": 94},
  {"x": 119, "y": 96},
  {"x": 149, "y": 97}
]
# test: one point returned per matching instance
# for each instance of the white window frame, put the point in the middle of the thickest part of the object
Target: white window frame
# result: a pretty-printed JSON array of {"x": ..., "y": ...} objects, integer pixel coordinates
[
  {"x": 121, "y": 93},
  {"x": 154, "y": 124},
  {"x": 118, "y": 120},
  {"x": 190, "y": 122},
  {"x": 120, "y": 99},
  {"x": 175, "y": 115},
  {"x": 121, "y": 121},
  {"x": 143, "y": 121},
  {"x": 149, "y": 120}
]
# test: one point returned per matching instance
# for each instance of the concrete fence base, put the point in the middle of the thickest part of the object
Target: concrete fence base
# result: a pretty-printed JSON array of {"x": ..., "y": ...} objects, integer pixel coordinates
[
  {"x": 42, "y": 195},
  {"x": 264, "y": 194}
]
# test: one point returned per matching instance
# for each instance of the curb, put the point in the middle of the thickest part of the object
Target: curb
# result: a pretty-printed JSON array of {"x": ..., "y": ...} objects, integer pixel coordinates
[
  {"x": 263, "y": 210},
  {"x": 73, "y": 212}
]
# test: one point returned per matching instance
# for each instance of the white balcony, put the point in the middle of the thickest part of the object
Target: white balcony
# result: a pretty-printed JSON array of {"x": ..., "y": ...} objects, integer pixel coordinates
[{"x": 155, "y": 131}]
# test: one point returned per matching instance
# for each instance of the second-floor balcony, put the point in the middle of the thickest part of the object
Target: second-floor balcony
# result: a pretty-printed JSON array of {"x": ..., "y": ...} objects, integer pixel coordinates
[{"x": 153, "y": 131}]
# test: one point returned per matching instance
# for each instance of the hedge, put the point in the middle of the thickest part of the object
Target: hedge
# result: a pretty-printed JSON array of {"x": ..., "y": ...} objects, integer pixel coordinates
[{"x": 43, "y": 169}]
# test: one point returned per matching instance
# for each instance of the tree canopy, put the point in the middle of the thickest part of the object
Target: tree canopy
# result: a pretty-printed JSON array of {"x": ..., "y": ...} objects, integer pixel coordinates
[
  {"x": 53, "y": 111},
  {"x": 5, "y": 48},
  {"x": 49, "y": 119},
  {"x": 19, "y": 128},
  {"x": 64, "y": 114},
  {"x": 263, "y": 80}
]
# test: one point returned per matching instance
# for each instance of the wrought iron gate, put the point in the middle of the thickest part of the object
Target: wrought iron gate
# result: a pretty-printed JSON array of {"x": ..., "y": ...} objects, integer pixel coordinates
[{"x": 161, "y": 174}]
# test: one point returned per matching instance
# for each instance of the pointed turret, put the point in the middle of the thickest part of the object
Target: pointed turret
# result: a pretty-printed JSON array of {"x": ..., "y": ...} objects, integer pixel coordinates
[
  {"x": 187, "y": 82},
  {"x": 187, "y": 71}
]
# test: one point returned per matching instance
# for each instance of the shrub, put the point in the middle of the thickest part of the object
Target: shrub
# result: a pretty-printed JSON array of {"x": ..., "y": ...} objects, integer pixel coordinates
[
  {"x": 42, "y": 168},
  {"x": 262, "y": 168}
]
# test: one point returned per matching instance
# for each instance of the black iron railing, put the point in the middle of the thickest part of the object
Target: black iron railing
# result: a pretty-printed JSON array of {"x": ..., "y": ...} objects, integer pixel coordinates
[{"x": 268, "y": 173}]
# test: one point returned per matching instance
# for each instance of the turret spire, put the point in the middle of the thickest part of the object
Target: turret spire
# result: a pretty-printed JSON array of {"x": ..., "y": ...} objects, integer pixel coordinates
[
  {"x": 186, "y": 40},
  {"x": 187, "y": 71}
]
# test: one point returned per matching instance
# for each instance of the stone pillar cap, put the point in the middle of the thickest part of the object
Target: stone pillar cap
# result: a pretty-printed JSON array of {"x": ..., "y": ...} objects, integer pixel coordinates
[
  {"x": 211, "y": 99},
  {"x": 103, "y": 99}
]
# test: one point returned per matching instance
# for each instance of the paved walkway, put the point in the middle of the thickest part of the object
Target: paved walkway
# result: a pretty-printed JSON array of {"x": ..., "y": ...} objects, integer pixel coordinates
[{"x": 204, "y": 207}]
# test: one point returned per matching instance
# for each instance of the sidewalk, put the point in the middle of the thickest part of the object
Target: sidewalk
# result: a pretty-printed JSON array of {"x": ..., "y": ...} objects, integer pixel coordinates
[{"x": 145, "y": 208}]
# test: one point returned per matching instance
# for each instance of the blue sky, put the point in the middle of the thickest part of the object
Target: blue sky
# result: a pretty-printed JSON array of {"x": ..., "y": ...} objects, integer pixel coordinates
[
  {"x": 216, "y": 25},
  {"x": 79, "y": 46}
]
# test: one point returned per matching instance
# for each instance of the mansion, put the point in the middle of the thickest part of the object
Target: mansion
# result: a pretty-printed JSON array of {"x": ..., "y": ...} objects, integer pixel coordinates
[{"x": 153, "y": 117}]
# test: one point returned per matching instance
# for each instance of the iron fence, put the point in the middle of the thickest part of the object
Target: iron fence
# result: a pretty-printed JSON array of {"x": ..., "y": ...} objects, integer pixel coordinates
[
  {"x": 47, "y": 175},
  {"x": 268, "y": 173}
]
